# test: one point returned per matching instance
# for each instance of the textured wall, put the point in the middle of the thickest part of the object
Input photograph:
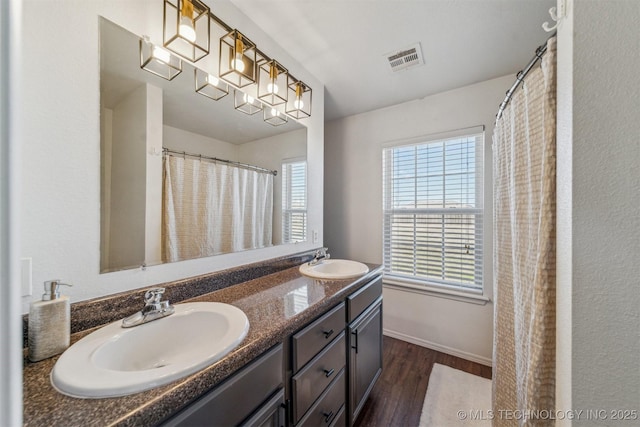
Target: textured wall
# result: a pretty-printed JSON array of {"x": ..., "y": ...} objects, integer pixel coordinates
[
  {"x": 599, "y": 213},
  {"x": 606, "y": 207}
]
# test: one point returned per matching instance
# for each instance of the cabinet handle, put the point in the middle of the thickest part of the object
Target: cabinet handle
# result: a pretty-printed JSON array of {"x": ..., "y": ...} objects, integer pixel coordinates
[
  {"x": 355, "y": 334},
  {"x": 328, "y": 372},
  {"x": 282, "y": 415},
  {"x": 328, "y": 333},
  {"x": 327, "y": 416}
]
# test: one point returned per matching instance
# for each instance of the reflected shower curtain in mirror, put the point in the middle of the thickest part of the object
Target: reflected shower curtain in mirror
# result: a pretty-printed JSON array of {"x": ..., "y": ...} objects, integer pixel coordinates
[
  {"x": 211, "y": 208},
  {"x": 524, "y": 170}
]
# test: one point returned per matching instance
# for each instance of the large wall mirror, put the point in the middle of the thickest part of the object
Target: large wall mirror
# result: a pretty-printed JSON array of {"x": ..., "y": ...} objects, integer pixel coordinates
[{"x": 163, "y": 197}]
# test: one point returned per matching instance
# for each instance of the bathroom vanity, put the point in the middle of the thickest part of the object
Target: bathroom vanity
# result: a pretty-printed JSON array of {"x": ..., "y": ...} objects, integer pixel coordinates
[
  {"x": 311, "y": 357},
  {"x": 304, "y": 386}
]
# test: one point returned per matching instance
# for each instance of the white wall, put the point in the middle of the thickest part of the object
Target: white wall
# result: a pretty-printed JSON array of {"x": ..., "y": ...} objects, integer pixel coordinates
[
  {"x": 182, "y": 140},
  {"x": 353, "y": 209},
  {"x": 60, "y": 205},
  {"x": 269, "y": 153},
  {"x": 153, "y": 210},
  {"x": 128, "y": 178},
  {"x": 598, "y": 208}
]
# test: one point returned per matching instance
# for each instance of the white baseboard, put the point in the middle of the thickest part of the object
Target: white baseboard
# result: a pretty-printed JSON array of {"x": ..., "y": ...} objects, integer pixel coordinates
[{"x": 441, "y": 348}]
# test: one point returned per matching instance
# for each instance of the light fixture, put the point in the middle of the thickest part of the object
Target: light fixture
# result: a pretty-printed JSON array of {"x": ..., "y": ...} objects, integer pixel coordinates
[
  {"x": 158, "y": 60},
  {"x": 186, "y": 28},
  {"x": 274, "y": 117},
  {"x": 272, "y": 82},
  {"x": 210, "y": 85},
  {"x": 237, "y": 61},
  {"x": 246, "y": 103},
  {"x": 299, "y": 102}
]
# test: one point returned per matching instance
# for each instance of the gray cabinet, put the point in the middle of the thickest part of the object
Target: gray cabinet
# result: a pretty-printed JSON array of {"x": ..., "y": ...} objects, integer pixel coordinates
[
  {"x": 364, "y": 332},
  {"x": 329, "y": 409},
  {"x": 318, "y": 363},
  {"x": 250, "y": 397},
  {"x": 270, "y": 414},
  {"x": 314, "y": 337},
  {"x": 333, "y": 372},
  {"x": 365, "y": 357}
]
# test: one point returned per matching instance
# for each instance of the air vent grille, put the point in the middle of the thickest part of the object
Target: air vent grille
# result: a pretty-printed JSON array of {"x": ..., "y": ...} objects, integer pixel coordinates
[{"x": 405, "y": 58}]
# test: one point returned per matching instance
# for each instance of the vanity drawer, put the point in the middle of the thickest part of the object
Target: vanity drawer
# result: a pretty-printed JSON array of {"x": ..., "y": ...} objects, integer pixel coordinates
[
  {"x": 329, "y": 409},
  {"x": 363, "y": 298},
  {"x": 341, "y": 419},
  {"x": 309, "y": 341},
  {"x": 312, "y": 380}
]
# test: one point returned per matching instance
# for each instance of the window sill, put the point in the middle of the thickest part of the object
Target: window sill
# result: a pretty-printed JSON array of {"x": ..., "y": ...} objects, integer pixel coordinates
[{"x": 425, "y": 289}]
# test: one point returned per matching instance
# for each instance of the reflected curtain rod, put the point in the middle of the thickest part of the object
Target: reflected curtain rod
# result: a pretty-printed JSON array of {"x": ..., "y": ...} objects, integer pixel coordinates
[
  {"x": 167, "y": 151},
  {"x": 540, "y": 51}
]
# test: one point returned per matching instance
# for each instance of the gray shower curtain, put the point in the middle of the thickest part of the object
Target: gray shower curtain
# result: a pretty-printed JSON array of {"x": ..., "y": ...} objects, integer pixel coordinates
[{"x": 524, "y": 162}]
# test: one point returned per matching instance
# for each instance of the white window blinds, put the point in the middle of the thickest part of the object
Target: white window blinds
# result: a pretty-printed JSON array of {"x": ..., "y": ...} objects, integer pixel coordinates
[
  {"x": 433, "y": 212},
  {"x": 294, "y": 201}
]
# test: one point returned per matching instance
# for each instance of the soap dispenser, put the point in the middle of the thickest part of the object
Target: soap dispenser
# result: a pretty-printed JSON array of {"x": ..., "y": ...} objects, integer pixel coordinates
[{"x": 49, "y": 323}]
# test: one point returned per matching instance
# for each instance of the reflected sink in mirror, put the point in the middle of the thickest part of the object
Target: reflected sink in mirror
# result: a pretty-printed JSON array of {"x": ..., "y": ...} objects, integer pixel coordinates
[
  {"x": 334, "y": 269},
  {"x": 115, "y": 361}
]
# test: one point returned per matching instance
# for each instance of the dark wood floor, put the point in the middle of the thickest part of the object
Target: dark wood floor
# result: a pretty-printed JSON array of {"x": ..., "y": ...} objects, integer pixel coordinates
[{"x": 397, "y": 397}]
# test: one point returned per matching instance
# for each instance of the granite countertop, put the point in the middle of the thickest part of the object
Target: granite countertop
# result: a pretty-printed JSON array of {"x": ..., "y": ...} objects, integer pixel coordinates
[{"x": 277, "y": 305}]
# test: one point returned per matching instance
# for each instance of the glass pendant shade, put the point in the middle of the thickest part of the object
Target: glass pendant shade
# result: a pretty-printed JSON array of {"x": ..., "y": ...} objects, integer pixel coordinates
[
  {"x": 209, "y": 85},
  {"x": 186, "y": 28},
  {"x": 237, "y": 63},
  {"x": 272, "y": 83},
  {"x": 299, "y": 100},
  {"x": 274, "y": 117},
  {"x": 246, "y": 103},
  {"x": 158, "y": 60}
]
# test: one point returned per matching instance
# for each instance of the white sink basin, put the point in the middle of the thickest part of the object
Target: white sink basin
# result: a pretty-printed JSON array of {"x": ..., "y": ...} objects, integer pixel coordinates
[
  {"x": 333, "y": 269},
  {"x": 115, "y": 361}
]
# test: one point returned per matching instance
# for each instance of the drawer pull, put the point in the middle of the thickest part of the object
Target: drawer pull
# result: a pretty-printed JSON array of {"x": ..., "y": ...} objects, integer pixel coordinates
[
  {"x": 328, "y": 372},
  {"x": 327, "y": 416},
  {"x": 328, "y": 333}
]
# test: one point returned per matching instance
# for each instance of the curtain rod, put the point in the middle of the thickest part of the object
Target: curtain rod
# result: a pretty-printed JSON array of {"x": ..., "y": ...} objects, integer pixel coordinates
[
  {"x": 540, "y": 51},
  {"x": 215, "y": 159}
]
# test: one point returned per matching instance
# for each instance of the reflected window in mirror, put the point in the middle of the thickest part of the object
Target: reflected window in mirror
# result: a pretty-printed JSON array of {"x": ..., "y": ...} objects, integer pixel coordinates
[{"x": 294, "y": 201}]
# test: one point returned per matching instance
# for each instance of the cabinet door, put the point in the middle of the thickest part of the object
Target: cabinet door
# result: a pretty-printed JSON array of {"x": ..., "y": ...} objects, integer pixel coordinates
[
  {"x": 365, "y": 361},
  {"x": 229, "y": 403},
  {"x": 271, "y": 414}
]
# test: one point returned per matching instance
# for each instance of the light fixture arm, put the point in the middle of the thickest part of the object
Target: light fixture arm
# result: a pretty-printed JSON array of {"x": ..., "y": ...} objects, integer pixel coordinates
[{"x": 227, "y": 28}]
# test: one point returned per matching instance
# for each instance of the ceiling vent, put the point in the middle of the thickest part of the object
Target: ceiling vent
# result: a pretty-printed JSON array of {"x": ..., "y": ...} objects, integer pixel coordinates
[{"x": 405, "y": 58}]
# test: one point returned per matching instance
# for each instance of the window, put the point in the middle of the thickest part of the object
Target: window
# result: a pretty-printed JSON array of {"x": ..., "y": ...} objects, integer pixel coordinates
[
  {"x": 433, "y": 212},
  {"x": 294, "y": 201}
]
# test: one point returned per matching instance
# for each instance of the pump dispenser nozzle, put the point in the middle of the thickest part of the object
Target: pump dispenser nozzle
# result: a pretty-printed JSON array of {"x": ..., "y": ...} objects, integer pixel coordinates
[{"x": 52, "y": 289}]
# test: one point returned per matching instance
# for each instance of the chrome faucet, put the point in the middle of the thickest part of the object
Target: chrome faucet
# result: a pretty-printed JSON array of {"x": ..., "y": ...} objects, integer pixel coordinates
[
  {"x": 319, "y": 256},
  {"x": 153, "y": 309}
]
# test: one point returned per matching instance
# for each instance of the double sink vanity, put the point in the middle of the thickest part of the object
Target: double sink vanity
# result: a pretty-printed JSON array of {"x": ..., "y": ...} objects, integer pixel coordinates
[{"x": 289, "y": 343}]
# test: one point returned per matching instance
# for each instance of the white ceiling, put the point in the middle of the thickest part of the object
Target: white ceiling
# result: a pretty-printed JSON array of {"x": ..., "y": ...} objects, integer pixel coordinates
[{"x": 343, "y": 43}]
